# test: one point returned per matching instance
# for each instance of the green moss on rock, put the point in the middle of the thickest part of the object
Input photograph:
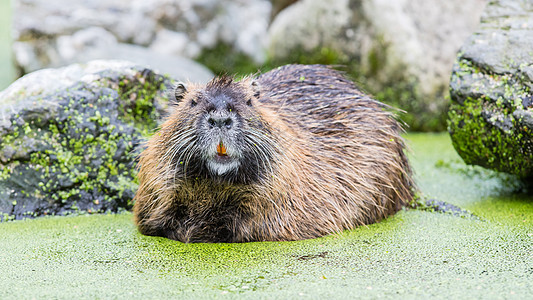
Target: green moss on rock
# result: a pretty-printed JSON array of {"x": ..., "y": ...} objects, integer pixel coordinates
[
  {"x": 481, "y": 143},
  {"x": 75, "y": 150},
  {"x": 482, "y": 119},
  {"x": 491, "y": 116}
]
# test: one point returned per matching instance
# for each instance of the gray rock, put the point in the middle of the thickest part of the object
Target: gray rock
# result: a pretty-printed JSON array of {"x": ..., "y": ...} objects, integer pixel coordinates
[
  {"x": 42, "y": 28},
  {"x": 308, "y": 25},
  {"x": 177, "y": 67},
  {"x": 402, "y": 51},
  {"x": 68, "y": 137},
  {"x": 97, "y": 43},
  {"x": 175, "y": 43},
  {"x": 491, "y": 115}
]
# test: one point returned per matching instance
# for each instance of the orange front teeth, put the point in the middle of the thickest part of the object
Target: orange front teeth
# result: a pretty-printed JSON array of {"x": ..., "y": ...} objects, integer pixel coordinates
[{"x": 221, "y": 149}]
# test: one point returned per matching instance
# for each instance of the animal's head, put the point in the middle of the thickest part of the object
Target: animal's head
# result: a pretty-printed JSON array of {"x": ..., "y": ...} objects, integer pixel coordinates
[{"x": 220, "y": 132}]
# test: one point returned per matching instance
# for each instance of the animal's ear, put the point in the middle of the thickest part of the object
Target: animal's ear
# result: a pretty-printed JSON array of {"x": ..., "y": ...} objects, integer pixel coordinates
[
  {"x": 179, "y": 92},
  {"x": 256, "y": 87}
]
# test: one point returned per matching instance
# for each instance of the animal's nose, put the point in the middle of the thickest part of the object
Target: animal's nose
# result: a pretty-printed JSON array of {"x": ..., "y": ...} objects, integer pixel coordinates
[{"x": 220, "y": 122}]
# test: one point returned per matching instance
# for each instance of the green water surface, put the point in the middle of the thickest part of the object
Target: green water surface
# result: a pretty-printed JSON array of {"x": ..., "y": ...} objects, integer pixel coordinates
[{"x": 415, "y": 254}]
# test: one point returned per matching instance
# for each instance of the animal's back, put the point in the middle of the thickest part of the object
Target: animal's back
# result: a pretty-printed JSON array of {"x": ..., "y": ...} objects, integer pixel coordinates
[
  {"x": 349, "y": 142},
  {"x": 313, "y": 91}
]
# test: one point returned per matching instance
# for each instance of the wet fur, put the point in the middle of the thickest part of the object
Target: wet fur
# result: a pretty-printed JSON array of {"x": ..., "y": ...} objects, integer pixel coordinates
[{"x": 318, "y": 157}]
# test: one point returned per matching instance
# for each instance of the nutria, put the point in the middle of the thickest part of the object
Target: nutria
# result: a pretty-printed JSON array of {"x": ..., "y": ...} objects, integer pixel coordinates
[{"x": 296, "y": 153}]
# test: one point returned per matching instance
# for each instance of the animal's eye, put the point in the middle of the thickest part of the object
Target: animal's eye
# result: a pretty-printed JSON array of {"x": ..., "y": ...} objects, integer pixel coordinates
[
  {"x": 228, "y": 123},
  {"x": 249, "y": 102},
  {"x": 193, "y": 103}
]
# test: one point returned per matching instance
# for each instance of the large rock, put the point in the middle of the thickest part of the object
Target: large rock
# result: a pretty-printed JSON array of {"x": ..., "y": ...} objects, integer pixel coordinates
[
  {"x": 68, "y": 137},
  {"x": 401, "y": 51},
  {"x": 51, "y": 33},
  {"x": 491, "y": 115},
  {"x": 97, "y": 43}
]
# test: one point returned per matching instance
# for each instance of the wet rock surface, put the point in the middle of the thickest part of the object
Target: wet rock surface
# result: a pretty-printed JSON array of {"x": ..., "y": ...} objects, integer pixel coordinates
[
  {"x": 491, "y": 115},
  {"x": 68, "y": 137}
]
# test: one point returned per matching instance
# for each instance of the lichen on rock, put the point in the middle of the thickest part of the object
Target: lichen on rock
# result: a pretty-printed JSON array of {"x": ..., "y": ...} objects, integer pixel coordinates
[
  {"x": 72, "y": 147},
  {"x": 490, "y": 118}
]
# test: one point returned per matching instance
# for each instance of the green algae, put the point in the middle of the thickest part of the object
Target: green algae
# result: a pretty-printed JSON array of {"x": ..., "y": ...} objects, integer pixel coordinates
[
  {"x": 78, "y": 155},
  {"x": 414, "y": 254},
  {"x": 138, "y": 95},
  {"x": 481, "y": 143},
  {"x": 437, "y": 165},
  {"x": 502, "y": 142}
]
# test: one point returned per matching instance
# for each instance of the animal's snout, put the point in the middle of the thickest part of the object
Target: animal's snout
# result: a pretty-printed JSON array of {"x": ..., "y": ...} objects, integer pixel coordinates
[{"x": 220, "y": 122}]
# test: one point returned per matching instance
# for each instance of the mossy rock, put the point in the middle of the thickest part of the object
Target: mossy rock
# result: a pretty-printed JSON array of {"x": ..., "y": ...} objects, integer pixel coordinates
[
  {"x": 68, "y": 138},
  {"x": 491, "y": 116}
]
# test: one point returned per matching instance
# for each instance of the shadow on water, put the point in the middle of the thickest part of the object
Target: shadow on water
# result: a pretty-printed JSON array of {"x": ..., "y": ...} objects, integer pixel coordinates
[{"x": 7, "y": 75}]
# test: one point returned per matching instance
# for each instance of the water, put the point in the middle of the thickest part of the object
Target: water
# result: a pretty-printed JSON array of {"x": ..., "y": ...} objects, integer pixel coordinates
[{"x": 414, "y": 254}]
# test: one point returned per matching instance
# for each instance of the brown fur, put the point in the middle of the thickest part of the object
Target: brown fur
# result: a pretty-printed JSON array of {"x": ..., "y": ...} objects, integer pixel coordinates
[{"x": 337, "y": 162}]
